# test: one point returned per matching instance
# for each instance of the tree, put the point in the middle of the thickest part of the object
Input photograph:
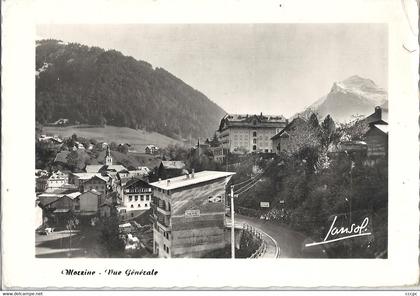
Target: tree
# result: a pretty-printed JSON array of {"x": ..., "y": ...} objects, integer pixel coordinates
[
  {"x": 113, "y": 146},
  {"x": 328, "y": 132},
  {"x": 353, "y": 131},
  {"x": 122, "y": 148},
  {"x": 111, "y": 237},
  {"x": 73, "y": 160},
  {"x": 313, "y": 121},
  {"x": 214, "y": 141}
]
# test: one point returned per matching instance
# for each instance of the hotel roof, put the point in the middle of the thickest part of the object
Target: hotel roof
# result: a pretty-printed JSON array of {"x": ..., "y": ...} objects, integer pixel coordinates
[{"x": 183, "y": 181}]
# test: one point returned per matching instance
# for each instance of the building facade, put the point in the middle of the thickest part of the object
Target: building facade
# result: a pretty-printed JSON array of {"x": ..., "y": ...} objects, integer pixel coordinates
[
  {"x": 97, "y": 183},
  {"x": 88, "y": 202},
  {"x": 136, "y": 195},
  {"x": 376, "y": 139},
  {"x": 249, "y": 133},
  {"x": 189, "y": 214},
  {"x": 282, "y": 141},
  {"x": 57, "y": 179}
]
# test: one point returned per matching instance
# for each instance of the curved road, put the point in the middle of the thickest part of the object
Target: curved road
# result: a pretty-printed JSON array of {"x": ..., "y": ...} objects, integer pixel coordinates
[{"x": 289, "y": 242}]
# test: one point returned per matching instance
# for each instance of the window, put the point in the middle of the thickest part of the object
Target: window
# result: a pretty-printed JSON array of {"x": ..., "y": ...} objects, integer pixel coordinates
[
  {"x": 254, "y": 134},
  {"x": 136, "y": 197},
  {"x": 132, "y": 206},
  {"x": 142, "y": 197},
  {"x": 132, "y": 214},
  {"x": 138, "y": 205},
  {"x": 146, "y": 205},
  {"x": 254, "y": 147},
  {"x": 254, "y": 141},
  {"x": 130, "y": 198}
]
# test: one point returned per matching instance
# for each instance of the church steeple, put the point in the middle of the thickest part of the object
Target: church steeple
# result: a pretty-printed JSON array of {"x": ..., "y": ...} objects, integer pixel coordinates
[{"x": 108, "y": 157}]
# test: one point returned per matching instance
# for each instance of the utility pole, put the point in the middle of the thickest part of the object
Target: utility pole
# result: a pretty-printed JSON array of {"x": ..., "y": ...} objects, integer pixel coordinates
[{"x": 232, "y": 216}]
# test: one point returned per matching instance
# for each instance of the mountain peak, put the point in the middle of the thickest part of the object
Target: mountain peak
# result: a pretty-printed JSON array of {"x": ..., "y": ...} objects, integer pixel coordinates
[{"x": 350, "y": 97}]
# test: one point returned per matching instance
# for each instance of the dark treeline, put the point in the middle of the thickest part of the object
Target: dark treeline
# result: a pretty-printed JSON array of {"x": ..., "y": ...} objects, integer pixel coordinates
[{"x": 89, "y": 85}]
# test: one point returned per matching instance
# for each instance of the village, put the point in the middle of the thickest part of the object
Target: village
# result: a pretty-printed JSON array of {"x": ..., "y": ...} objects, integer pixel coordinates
[{"x": 171, "y": 206}]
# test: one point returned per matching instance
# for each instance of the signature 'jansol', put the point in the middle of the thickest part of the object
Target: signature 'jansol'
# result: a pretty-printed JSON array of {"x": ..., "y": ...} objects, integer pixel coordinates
[{"x": 354, "y": 230}]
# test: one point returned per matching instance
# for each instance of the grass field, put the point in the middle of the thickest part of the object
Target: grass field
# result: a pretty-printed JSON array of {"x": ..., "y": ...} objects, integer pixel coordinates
[{"x": 137, "y": 138}]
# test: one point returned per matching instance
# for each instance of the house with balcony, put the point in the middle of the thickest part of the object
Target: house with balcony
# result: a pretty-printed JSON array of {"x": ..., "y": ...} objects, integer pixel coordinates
[
  {"x": 136, "y": 197},
  {"x": 57, "y": 179},
  {"x": 189, "y": 214}
]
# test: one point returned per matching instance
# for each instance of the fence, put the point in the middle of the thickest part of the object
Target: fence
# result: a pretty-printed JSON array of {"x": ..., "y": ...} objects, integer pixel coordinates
[{"x": 256, "y": 235}]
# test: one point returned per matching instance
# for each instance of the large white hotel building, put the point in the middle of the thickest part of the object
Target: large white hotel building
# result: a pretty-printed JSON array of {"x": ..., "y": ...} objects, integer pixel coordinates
[{"x": 250, "y": 133}]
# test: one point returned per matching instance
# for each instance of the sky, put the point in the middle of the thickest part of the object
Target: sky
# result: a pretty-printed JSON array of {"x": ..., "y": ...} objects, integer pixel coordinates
[{"x": 276, "y": 69}]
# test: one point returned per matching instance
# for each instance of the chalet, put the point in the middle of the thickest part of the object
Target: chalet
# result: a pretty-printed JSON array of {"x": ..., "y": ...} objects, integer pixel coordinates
[
  {"x": 281, "y": 142},
  {"x": 94, "y": 168},
  {"x": 61, "y": 121},
  {"x": 52, "y": 194},
  {"x": 57, "y": 179},
  {"x": 170, "y": 169},
  {"x": 379, "y": 117},
  {"x": 123, "y": 174},
  {"x": 89, "y": 202},
  {"x": 66, "y": 203},
  {"x": 137, "y": 195},
  {"x": 140, "y": 172},
  {"x": 151, "y": 149},
  {"x": 78, "y": 179},
  {"x": 48, "y": 139},
  {"x": 376, "y": 139},
  {"x": 78, "y": 146},
  {"x": 189, "y": 214},
  {"x": 98, "y": 183},
  {"x": 106, "y": 209}
]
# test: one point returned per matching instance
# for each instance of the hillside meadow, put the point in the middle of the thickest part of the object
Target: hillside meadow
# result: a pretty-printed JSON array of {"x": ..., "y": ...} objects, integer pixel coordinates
[{"x": 139, "y": 139}]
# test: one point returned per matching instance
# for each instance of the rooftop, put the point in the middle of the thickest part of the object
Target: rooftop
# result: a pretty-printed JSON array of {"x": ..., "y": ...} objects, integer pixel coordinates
[
  {"x": 262, "y": 117},
  {"x": 254, "y": 121},
  {"x": 73, "y": 195},
  {"x": 173, "y": 164},
  {"x": 295, "y": 122},
  {"x": 86, "y": 176},
  {"x": 382, "y": 127},
  {"x": 182, "y": 181},
  {"x": 93, "y": 168}
]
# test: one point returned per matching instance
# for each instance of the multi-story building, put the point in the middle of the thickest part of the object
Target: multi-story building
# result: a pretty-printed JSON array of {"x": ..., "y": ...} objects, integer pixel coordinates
[
  {"x": 137, "y": 195},
  {"x": 189, "y": 214},
  {"x": 99, "y": 183},
  {"x": 249, "y": 133},
  {"x": 57, "y": 179}
]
